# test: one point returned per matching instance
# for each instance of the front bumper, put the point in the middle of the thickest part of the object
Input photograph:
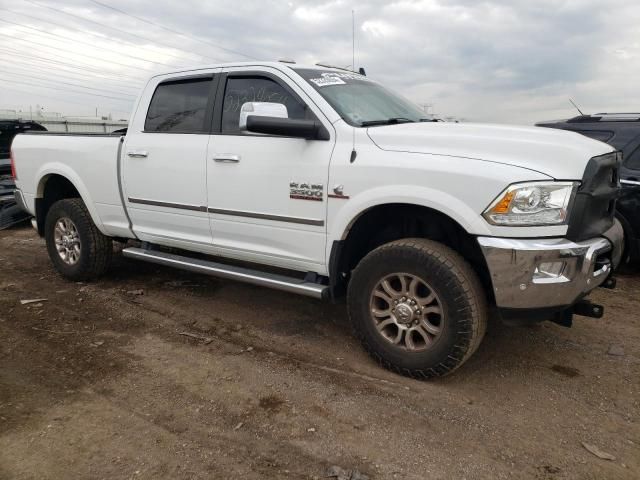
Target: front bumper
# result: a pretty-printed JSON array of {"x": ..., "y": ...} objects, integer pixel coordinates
[{"x": 548, "y": 275}]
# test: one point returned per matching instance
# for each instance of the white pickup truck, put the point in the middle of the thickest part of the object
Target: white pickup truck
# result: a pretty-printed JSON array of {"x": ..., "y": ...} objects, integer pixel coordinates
[{"x": 322, "y": 182}]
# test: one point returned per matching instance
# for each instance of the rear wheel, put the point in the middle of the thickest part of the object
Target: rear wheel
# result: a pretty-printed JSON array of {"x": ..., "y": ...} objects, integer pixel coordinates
[
  {"x": 417, "y": 307},
  {"x": 78, "y": 250}
]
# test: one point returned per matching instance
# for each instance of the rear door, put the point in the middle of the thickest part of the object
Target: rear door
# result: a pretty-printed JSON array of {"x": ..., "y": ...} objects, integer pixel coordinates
[{"x": 164, "y": 161}]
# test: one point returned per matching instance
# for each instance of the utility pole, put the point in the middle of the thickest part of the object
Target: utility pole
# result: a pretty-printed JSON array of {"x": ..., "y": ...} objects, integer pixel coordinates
[{"x": 427, "y": 107}]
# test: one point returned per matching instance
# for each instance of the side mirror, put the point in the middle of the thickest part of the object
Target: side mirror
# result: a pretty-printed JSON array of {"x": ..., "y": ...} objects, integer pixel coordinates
[
  {"x": 261, "y": 109},
  {"x": 288, "y": 127}
]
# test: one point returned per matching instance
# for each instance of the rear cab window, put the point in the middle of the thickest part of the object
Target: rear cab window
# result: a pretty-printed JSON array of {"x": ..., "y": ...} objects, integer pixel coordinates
[{"x": 180, "y": 106}]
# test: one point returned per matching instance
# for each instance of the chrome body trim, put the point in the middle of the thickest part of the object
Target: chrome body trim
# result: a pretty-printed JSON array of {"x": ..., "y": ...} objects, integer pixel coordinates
[
  {"x": 264, "y": 216},
  {"x": 235, "y": 213},
  {"x": 231, "y": 272},
  {"x": 513, "y": 262},
  {"x": 630, "y": 182},
  {"x": 157, "y": 203}
]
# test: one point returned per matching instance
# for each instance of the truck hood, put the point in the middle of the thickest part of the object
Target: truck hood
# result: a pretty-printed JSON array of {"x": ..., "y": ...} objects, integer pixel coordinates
[{"x": 559, "y": 154}]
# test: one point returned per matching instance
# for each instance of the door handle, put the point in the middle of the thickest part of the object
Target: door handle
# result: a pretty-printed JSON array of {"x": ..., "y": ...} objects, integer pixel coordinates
[
  {"x": 138, "y": 153},
  {"x": 226, "y": 158}
]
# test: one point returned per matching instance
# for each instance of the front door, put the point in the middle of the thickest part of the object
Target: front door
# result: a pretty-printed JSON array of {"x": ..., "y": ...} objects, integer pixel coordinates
[
  {"x": 267, "y": 194},
  {"x": 164, "y": 163}
]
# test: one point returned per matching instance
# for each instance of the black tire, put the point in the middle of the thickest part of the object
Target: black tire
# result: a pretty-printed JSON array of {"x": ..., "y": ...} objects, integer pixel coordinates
[
  {"x": 96, "y": 249},
  {"x": 630, "y": 256},
  {"x": 457, "y": 289}
]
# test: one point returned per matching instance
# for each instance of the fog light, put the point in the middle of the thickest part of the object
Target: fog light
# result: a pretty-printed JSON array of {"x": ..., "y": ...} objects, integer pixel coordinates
[{"x": 549, "y": 271}]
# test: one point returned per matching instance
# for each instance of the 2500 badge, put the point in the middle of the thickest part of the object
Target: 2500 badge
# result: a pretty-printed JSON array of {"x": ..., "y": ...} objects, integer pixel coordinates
[{"x": 306, "y": 191}]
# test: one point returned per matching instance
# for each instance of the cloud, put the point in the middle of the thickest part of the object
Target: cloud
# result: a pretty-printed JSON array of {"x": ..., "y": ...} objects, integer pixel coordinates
[
  {"x": 516, "y": 61},
  {"x": 378, "y": 28}
]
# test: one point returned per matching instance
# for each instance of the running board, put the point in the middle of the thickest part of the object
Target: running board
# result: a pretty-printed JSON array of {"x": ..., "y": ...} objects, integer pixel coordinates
[{"x": 231, "y": 272}]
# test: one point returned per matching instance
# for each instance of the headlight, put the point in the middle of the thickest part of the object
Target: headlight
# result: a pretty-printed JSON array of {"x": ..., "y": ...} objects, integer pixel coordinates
[{"x": 535, "y": 203}]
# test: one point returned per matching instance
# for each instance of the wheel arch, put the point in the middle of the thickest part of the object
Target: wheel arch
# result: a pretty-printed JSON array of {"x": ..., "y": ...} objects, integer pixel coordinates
[
  {"x": 383, "y": 223},
  {"x": 54, "y": 185}
]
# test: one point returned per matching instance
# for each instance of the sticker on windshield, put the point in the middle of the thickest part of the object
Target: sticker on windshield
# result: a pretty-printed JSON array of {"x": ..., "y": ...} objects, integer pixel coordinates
[{"x": 328, "y": 79}]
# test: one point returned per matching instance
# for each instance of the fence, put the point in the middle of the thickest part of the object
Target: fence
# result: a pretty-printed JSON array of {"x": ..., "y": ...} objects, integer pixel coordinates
[
  {"x": 81, "y": 127},
  {"x": 59, "y": 123}
]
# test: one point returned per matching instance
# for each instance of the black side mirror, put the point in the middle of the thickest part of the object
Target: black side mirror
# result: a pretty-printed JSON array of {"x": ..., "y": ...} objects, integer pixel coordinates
[{"x": 287, "y": 127}]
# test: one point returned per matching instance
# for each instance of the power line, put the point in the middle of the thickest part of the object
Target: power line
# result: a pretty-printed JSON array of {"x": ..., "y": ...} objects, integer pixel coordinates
[
  {"x": 126, "y": 65},
  {"x": 19, "y": 57},
  {"x": 77, "y": 63},
  {"x": 112, "y": 28},
  {"x": 87, "y": 43},
  {"x": 155, "y": 24},
  {"x": 30, "y": 68},
  {"x": 87, "y": 32},
  {"x": 15, "y": 63},
  {"x": 69, "y": 65},
  {"x": 59, "y": 99},
  {"x": 73, "y": 91},
  {"x": 68, "y": 83}
]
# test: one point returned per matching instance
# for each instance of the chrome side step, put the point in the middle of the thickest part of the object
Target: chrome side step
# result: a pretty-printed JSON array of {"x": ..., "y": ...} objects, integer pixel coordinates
[{"x": 231, "y": 272}]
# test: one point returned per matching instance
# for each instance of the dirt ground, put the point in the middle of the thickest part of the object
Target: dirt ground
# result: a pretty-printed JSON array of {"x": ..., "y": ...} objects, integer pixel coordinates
[{"x": 100, "y": 382}]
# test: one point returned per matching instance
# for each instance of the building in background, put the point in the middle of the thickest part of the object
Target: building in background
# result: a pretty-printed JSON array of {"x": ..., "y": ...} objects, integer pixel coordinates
[{"x": 56, "y": 122}]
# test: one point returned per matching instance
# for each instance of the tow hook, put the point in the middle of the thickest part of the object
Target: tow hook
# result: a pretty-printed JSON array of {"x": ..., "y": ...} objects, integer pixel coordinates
[
  {"x": 609, "y": 283},
  {"x": 588, "y": 309},
  {"x": 584, "y": 308}
]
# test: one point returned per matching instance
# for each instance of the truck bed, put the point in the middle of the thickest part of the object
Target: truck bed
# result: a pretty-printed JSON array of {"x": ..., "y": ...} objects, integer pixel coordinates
[{"x": 89, "y": 161}]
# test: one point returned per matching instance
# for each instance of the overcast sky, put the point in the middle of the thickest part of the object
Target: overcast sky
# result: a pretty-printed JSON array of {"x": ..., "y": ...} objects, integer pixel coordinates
[{"x": 514, "y": 61}]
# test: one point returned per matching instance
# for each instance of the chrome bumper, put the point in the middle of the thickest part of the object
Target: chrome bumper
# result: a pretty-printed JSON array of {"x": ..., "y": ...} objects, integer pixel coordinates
[
  {"x": 549, "y": 272},
  {"x": 19, "y": 198}
]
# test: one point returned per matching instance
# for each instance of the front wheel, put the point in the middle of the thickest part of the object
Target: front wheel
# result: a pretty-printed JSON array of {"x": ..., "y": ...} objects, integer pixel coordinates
[
  {"x": 77, "y": 249},
  {"x": 417, "y": 307}
]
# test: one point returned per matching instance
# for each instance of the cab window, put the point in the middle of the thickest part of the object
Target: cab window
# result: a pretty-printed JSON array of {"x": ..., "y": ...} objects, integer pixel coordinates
[
  {"x": 179, "y": 106},
  {"x": 240, "y": 90}
]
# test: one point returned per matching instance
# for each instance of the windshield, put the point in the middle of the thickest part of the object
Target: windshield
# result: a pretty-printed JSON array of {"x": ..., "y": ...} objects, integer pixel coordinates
[{"x": 360, "y": 101}]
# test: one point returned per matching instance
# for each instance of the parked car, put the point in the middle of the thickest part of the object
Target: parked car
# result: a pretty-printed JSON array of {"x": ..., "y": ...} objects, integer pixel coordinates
[
  {"x": 328, "y": 184},
  {"x": 621, "y": 131},
  {"x": 10, "y": 213}
]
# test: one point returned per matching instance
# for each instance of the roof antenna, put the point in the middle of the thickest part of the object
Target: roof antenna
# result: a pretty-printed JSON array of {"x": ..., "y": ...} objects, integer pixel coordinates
[
  {"x": 353, "y": 67},
  {"x": 577, "y": 108}
]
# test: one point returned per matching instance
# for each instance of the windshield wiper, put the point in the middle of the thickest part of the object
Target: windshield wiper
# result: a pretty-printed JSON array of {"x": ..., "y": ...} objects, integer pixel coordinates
[{"x": 388, "y": 121}]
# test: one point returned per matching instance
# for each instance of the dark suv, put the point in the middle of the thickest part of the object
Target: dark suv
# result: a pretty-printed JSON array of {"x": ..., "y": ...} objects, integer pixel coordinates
[
  {"x": 10, "y": 213},
  {"x": 621, "y": 131}
]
